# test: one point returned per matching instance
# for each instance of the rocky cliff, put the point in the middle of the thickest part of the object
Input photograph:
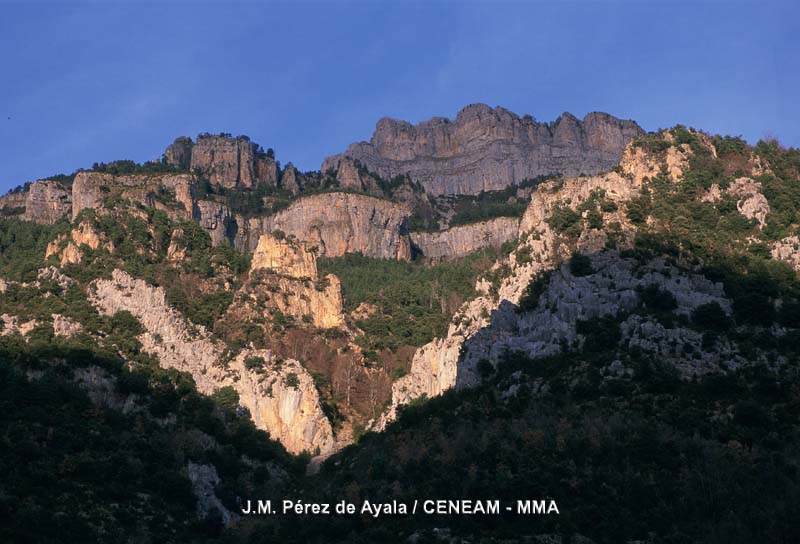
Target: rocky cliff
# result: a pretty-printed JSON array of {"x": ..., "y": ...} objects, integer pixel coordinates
[
  {"x": 486, "y": 149},
  {"x": 464, "y": 239},
  {"x": 171, "y": 193},
  {"x": 287, "y": 257},
  {"x": 338, "y": 223},
  {"x": 44, "y": 201},
  {"x": 225, "y": 161},
  {"x": 280, "y": 395},
  {"x": 283, "y": 278}
]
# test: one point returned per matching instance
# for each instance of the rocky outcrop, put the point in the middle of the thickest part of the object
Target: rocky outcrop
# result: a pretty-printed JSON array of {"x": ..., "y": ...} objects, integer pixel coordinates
[
  {"x": 65, "y": 326},
  {"x": 46, "y": 202},
  {"x": 788, "y": 250},
  {"x": 179, "y": 153},
  {"x": 204, "y": 479},
  {"x": 751, "y": 203},
  {"x": 11, "y": 325},
  {"x": 287, "y": 407},
  {"x": 464, "y": 239},
  {"x": 217, "y": 220},
  {"x": 225, "y": 161},
  {"x": 291, "y": 180},
  {"x": 486, "y": 149},
  {"x": 339, "y": 223},
  {"x": 283, "y": 399},
  {"x": 288, "y": 257},
  {"x": 171, "y": 193},
  {"x": 283, "y": 278},
  {"x": 68, "y": 249},
  {"x": 12, "y": 205}
]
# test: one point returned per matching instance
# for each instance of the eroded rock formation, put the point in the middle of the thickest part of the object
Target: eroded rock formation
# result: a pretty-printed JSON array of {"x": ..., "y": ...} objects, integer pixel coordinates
[
  {"x": 339, "y": 223},
  {"x": 225, "y": 161},
  {"x": 488, "y": 324},
  {"x": 288, "y": 408},
  {"x": 464, "y": 239},
  {"x": 171, "y": 193},
  {"x": 283, "y": 277},
  {"x": 486, "y": 149}
]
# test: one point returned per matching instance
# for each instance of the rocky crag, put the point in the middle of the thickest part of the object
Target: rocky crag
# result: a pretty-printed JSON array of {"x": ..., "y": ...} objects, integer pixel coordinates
[
  {"x": 339, "y": 223},
  {"x": 485, "y": 149},
  {"x": 280, "y": 394},
  {"x": 283, "y": 276},
  {"x": 224, "y": 161}
]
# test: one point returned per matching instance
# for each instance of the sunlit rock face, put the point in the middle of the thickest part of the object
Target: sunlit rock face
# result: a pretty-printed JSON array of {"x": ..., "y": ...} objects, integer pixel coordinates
[
  {"x": 225, "y": 161},
  {"x": 338, "y": 223},
  {"x": 279, "y": 394}
]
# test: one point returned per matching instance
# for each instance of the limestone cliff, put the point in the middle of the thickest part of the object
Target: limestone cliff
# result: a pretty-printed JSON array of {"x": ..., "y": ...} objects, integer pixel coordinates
[
  {"x": 12, "y": 205},
  {"x": 171, "y": 193},
  {"x": 288, "y": 408},
  {"x": 44, "y": 201},
  {"x": 225, "y": 161},
  {"x": 486, "y": 149},
  {"x": 464, "y": 239},
  {"x": 68, "y": 249},
  {"x": 283, "y": 278},
  {"x": 338, "y": 223},
  {"x": 287, "y": 257}
]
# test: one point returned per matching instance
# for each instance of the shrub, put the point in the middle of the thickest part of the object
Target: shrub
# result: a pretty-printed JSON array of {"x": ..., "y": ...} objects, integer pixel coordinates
[
  {"x": 580, "y": 265},
  {"x": 254, "y": 362},
  {"x": 711, "y": 317},
  {"x": 656, "y": 299},
  {"x": 291, "y": 380},
  {"x": 564, "y": 220},
  {"x": 537, "y": 286},
  {"x": 602, "y": 333}
]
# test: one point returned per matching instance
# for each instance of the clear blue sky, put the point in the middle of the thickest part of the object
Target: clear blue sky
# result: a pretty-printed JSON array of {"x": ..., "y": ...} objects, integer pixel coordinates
[{"x": 99, "y": 81}]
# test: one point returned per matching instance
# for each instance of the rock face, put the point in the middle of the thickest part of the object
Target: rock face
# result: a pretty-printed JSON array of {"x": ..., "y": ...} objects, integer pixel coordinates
[
  {"x": 751, "y": 202},
  {"x": 339, "y": 223},
  {"x": 47, "y": 202},
  {"x": 486, "y": 149},
  {"x": 284, "y": 400},
  {"x": 204, "y": 479},
  {"x": 464, "y": 239},
  {"x": 787, "y": 249},
  {"x": 283, "y": 277},
  {"x": 225, "y": 161},
  {"x": 68, "y": 249},
  {"x": 291, "y": 180},
  {"x": 171, "y": 193},
  {"x": 286, "y": 257},
  {"x": 288, "y": 408},
  {"x": 12, "y": 205}
]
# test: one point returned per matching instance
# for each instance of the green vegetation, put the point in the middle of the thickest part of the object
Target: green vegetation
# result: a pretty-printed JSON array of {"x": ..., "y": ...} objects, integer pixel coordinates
[
  {"x": 79, "y": 470},
  {"x": 415, "y": 302},
  {"x": 22, "y": 247},
  {"x": 535, "y": 289},
  {"x": 127, "y": 167},
  {"x": 580, "y": 265},
  {"x": 255, "y": 363},
  {"x": 632, "y": 458},
  {"x": 565, "y": 220}
]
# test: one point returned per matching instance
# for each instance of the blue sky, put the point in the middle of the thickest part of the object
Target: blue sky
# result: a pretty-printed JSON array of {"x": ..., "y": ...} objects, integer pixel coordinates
[{"x": 99, "y": 81}]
